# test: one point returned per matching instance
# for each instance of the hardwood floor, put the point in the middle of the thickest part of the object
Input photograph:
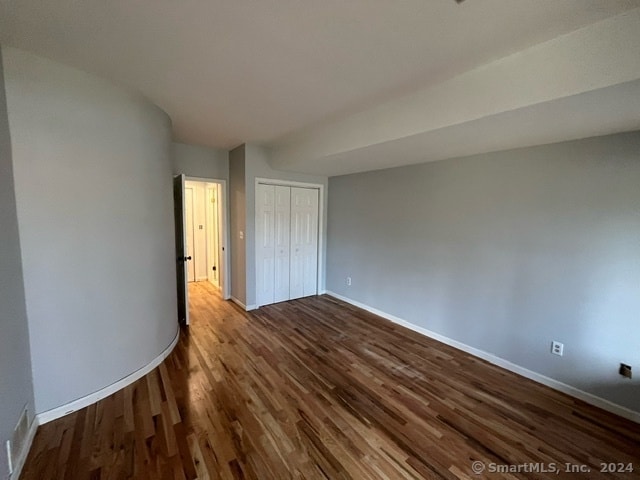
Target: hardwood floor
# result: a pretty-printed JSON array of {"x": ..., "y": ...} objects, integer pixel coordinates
[{"x": 317, "y": 389}]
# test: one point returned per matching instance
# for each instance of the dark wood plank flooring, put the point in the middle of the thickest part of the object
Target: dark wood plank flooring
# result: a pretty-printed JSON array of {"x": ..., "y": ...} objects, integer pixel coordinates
[{"x": 318, "y": 389}]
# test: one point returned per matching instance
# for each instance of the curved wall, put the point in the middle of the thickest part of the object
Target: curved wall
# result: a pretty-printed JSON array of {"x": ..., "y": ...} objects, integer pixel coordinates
[
  {"x": 16, "y": 388},
  {"x": 92, "y": 166}
]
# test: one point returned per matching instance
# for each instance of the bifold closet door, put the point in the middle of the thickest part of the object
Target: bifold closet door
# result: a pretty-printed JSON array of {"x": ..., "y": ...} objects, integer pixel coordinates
[
  {"x": 273, "y": 237},
  {"x": 282, "y": 238},
  {"x": 265, "y": 239},
  {"x": 303, "y": 279}
]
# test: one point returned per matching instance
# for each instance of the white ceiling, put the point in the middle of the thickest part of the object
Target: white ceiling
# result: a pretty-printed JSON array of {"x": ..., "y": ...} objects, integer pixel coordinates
[
  {"x": 581, "y": 84},
  {"x": 255, "y": 71},
  {"x": 598, "y": 112}
]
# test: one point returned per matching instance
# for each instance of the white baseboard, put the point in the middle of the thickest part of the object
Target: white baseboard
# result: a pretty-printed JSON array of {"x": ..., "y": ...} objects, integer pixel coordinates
[
  {"x": 247, "y": 308},
  {"x": 54, "y": 413},
  {"x": 22, "y": 458},
  {"x": 238, "y": 302},
  {"x": 501, "y": 362}
]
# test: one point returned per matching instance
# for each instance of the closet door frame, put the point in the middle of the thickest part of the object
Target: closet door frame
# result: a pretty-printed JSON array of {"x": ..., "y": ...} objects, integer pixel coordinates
[{"x": 321, "y": 224}]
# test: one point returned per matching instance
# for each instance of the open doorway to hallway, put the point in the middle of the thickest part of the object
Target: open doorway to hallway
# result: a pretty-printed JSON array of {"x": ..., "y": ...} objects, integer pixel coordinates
[
  {"x": 201, "y": 237},
  {"x": 203, "y": 232}
]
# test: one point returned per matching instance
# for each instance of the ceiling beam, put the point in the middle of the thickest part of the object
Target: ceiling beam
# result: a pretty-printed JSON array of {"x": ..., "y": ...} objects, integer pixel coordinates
[{"x": 595, "y": 57}]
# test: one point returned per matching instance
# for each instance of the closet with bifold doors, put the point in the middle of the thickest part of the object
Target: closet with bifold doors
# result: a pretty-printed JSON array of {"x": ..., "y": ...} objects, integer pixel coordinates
[{"x": 286, "y": 242}]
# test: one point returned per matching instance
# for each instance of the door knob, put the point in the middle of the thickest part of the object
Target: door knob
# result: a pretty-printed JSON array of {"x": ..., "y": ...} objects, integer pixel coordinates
[{"x": 187, "y": 258}]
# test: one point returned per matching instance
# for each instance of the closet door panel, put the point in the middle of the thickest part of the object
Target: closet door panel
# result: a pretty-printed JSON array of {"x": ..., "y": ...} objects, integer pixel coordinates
[
  {"x": 296, "y": 278},
  {"x": 286, "y": 243},
  {"x": 304, "y": 242},
  {"x": 282, "y": 239},
  {"x": 265, "y": 239}
]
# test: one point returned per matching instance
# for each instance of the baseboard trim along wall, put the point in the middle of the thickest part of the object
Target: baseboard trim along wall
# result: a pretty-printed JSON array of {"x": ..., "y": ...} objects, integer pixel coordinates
[
  {"x": 500, "y": 362},
  {"x": 247, "y": 308},
  {"x": 31, "y": 434},
  {"x": 87, "y": 400}
]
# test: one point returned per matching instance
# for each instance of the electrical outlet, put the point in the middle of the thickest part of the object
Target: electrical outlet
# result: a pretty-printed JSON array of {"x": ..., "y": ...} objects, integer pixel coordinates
[
  {"x": 625, "y": 370},
  {"x": 348, "y": 281},
  {"x": 557, "y": 348}
]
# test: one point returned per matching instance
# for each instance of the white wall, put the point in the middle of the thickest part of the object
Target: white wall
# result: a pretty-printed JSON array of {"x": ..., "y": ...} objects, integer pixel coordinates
[
  {"x": 93, "y": 169},
  {"x": 505, "y": 252},
  {"x": 203, "y": 162},
  {"x": 16, "y": 387},
  {"x": 237, "y": 223}
]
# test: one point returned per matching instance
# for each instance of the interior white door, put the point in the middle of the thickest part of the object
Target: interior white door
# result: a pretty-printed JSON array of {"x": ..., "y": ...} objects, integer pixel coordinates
[
  {"x": 303, "y": 279},
  {"x": 265, "y": 244},
  {"x": 282, "y": 239},
  {"x": 213, "y": 235},
  {"x": 189, "y": 213}
]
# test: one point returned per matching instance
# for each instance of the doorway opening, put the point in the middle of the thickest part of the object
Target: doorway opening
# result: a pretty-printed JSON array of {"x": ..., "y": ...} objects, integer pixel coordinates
[
  {"x": 202, "y": 200},
  {"x": 201, "y": 237}
]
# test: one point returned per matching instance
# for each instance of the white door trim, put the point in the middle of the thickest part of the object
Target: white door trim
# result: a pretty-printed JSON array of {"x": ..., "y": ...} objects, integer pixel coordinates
[
  {"x": 321, "y": 223},
  {"x": 225, "y": 244},
  {"x": 190, "y": 233}
]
